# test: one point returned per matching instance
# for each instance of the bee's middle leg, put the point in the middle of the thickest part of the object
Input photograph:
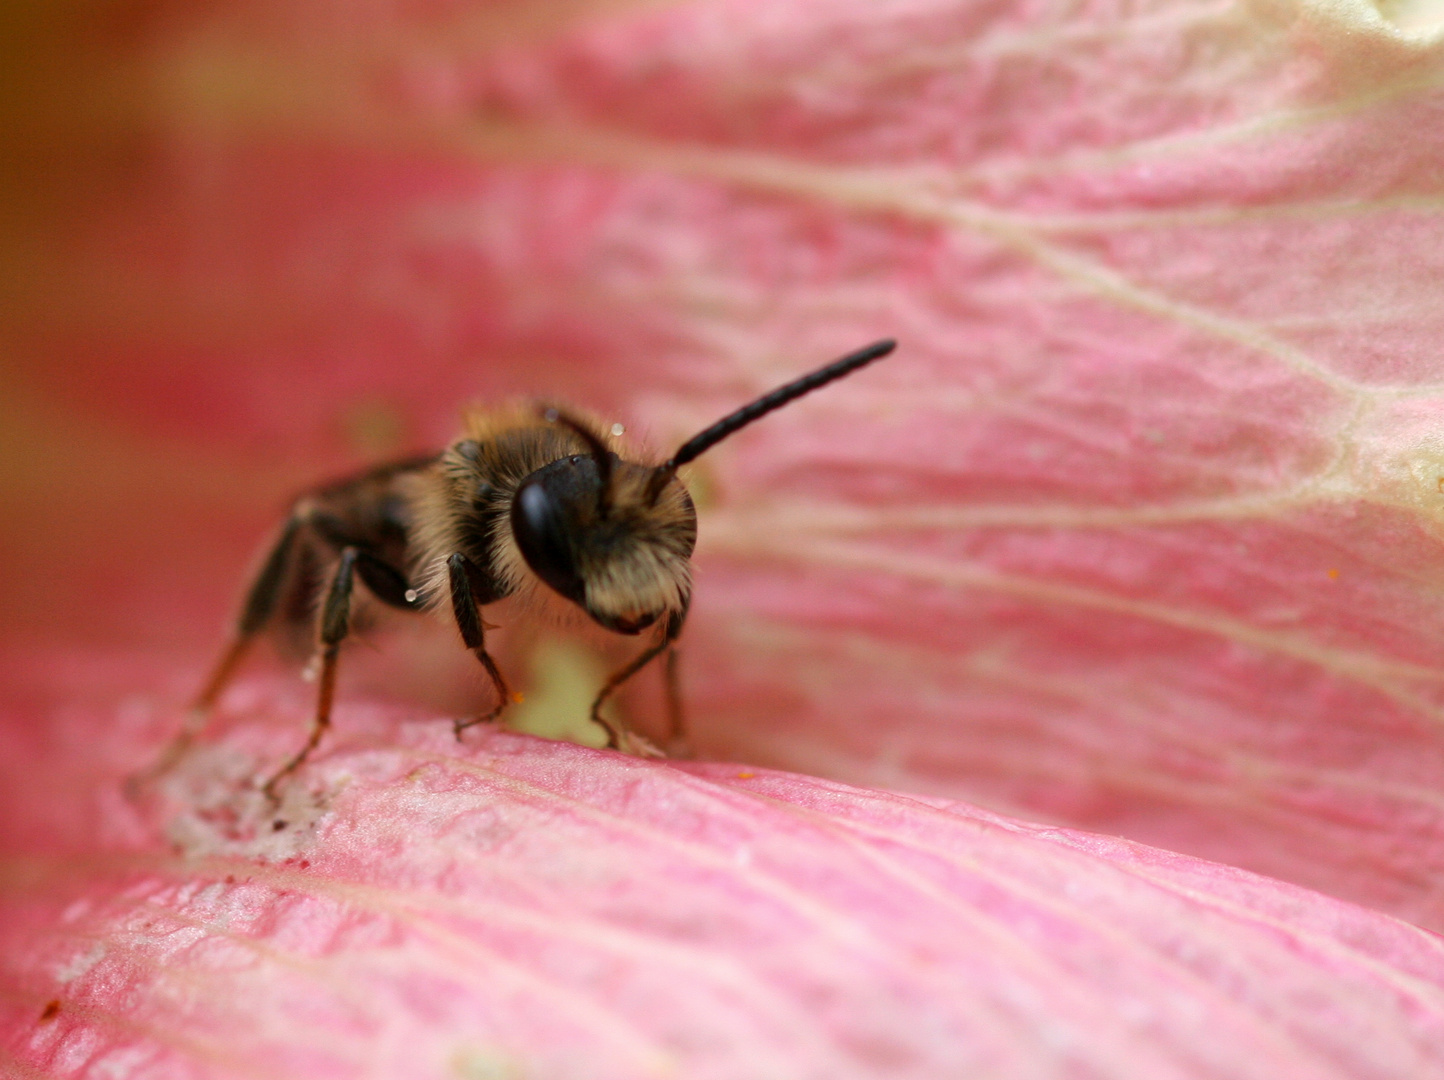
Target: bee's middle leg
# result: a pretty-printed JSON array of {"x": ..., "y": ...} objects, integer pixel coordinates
[{"x": 334, "y": 626}]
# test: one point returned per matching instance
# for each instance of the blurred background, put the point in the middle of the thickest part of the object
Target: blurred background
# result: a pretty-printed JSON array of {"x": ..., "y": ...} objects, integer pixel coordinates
[{"x": 209, "y": 302}]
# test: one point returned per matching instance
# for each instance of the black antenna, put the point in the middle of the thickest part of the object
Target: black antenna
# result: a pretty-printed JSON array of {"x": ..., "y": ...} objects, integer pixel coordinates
[
  {"x": 600, "y": 454},
  {"x": 731, "y": 423}
]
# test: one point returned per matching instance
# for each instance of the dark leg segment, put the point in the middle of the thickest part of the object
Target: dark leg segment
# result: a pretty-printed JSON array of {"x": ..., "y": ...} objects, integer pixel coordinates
[
  {"x": 387, "y": 583},
  {"x": 468, "y": 621},
  {"x": 676, "y": 719},
  {"x": 384, "y": 581},
  {"x": 260, "y": 605},
  {"x": 335, "y": 625},
  {"x": 616, "y": 733}
]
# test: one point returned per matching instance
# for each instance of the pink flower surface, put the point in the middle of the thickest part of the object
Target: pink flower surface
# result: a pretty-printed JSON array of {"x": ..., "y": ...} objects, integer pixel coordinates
[
  {"x": 1138, "y": 533},
  {"x": 526, "y": 909}
]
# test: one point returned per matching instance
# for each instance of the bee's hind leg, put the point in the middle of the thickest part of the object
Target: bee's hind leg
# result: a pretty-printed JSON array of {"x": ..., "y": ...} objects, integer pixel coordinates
[{"x": 256, "y": 613}]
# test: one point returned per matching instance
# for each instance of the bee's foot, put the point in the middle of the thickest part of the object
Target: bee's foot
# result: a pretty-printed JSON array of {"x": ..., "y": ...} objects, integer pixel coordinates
[
  {"x": 640, "y": 746},
  {"x": 459, "y": 726}
]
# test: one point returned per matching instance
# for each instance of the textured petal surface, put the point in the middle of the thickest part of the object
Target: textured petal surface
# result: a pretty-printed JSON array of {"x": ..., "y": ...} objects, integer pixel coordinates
[{"x": 539, "y": 910}]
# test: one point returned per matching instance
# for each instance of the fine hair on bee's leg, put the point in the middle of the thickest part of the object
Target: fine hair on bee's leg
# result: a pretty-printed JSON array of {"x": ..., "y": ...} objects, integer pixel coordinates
[
  {"x": 468, "y": 620},
  {"x": 618, "y": 732},
  {"x": 260, "y": 605}
]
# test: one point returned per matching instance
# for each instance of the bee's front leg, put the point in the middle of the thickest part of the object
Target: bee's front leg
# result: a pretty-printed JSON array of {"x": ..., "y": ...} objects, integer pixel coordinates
[{"x": 619, "y": 736}]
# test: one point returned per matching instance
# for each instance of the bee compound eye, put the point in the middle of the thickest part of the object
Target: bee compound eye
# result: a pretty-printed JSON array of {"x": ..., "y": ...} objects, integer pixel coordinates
[{"x": 541, "y": 525}]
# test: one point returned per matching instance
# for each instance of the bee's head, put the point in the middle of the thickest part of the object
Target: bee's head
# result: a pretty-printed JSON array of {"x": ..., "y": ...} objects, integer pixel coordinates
[
  {"x": 588, "y": 526},
  {"x": 617, "y": 538}
]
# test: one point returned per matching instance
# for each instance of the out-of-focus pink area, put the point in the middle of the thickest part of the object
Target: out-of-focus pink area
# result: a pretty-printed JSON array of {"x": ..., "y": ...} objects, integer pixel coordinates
[{"x": 1138, "y": 532}]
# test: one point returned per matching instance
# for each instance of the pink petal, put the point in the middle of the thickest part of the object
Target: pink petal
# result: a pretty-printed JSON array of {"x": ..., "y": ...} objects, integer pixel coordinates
[
  {"x": 1137, "y": 532},
  {"x": 517, "y": 908}
]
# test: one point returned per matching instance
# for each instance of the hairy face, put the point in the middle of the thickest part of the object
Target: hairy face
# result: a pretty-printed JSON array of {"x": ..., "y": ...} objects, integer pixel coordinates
[{"x": 620, "y": 554}]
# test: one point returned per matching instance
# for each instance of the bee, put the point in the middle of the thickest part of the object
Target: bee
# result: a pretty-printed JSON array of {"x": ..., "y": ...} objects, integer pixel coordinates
[{"x": 530, "y": 502}]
